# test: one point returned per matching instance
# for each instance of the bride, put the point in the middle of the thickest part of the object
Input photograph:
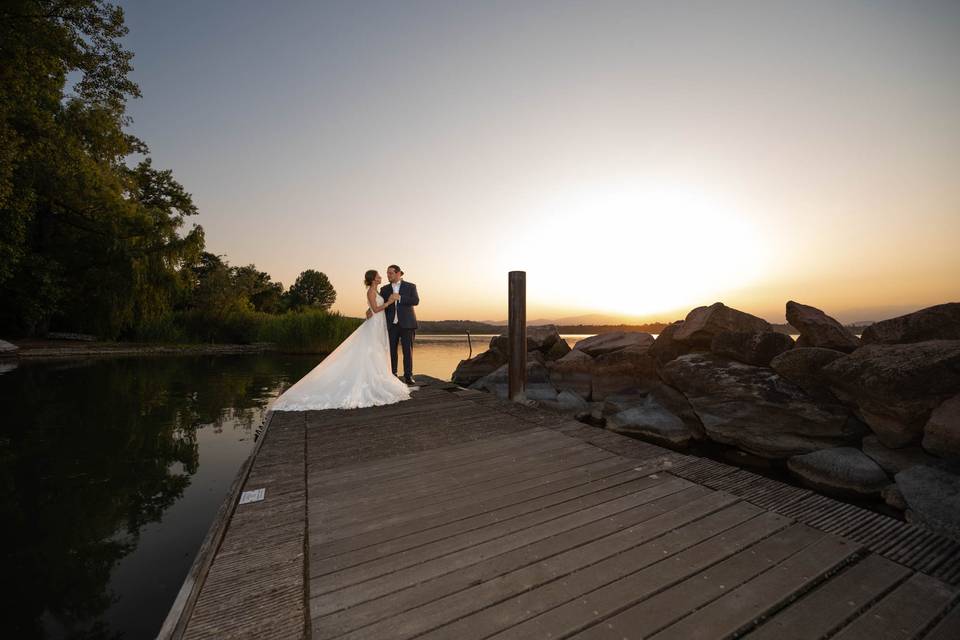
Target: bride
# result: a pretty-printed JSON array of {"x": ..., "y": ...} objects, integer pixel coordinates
[{"x": 357, "y": 374}]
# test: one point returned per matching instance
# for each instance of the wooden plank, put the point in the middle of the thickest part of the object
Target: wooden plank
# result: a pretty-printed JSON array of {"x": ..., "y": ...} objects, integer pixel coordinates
[
  {"x": 905, "y": 613},
  {"x": 669, "y": 603},
  {"x": 647, "y": 542},
  {"x": 320, "y": 566},
  {"x": 594, "y": 569},
  {"x": 337, "y": 529},
  {"x": 739, "y": 608},
  {"x": 419, "y": 594},
  {"x": 400, "y": 466},
  {"x": 522, "y": 492},
  {"x": 339, "y": 597},
  {"x": 371, "y": 492},
  {"x": 948, "y": 628},
  {"x": 833, "y": 603}
]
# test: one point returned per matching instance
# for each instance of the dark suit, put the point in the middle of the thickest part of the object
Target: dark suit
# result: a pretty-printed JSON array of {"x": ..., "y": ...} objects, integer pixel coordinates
[{"x": 404, "y": 330}]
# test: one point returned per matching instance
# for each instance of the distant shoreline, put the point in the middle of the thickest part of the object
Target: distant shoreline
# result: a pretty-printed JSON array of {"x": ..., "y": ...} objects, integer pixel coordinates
[
  {"x": 54, "y": 349},
  {"x": 454, "y": 327}
]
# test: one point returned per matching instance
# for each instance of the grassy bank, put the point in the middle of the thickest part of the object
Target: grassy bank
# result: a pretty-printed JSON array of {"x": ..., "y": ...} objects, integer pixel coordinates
[{"x": 310, "y": 331}]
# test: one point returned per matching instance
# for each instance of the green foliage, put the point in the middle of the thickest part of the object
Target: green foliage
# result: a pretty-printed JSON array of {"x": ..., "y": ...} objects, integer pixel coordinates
[
  {"x": 93, "y": 245},
  {"x": 88, "y": 243},
  {"x": 312, "y": 331},
  {"x": 312, "y": 289}
]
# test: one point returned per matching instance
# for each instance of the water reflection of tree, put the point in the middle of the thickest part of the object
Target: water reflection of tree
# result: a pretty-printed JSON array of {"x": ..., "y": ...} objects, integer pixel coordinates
[{"x": 89, "y": 454}]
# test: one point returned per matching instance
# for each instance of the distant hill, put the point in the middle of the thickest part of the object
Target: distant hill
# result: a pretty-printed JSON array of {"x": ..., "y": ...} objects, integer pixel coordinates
[{"x": 473, "y": 326}]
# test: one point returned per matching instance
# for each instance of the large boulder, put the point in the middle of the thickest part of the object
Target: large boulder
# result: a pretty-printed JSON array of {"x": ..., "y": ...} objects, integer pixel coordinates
[
  {"x": 756, "y": 348},
  {"x": 756, "y": 410},
  {"x": 623, "y": 369},
  {"x": 802, "y": 366},
  {"x": 932, "y": 497},
  {"x": 703, "y": 323},
  {"x": 941, "y": 434},
  {"x": 894, "y": 461},
  {"x": 843, "y": 471},
  {"x": 656, "y": 413},
  {"x": 542, "y": 337},
  {"x": 539, "y": 338},
  {"x": 7, "y": 348},
  {"x": 573, "y": 372},
  {"x": 469, "y": 371},
  {"x": 941, "y": 322},
  {"x": 608, "y": 342},
  {"x": 559, "y": 349},
  {"x": 538, "y": 383},
  {"x": 665, "y": 348},
  {"x": 895, "y": 387},
  {"x": 817, "y": 329}
]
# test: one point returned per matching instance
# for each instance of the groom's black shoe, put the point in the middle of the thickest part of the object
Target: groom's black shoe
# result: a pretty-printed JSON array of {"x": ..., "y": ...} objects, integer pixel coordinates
[{"x": 409, "y": 380}]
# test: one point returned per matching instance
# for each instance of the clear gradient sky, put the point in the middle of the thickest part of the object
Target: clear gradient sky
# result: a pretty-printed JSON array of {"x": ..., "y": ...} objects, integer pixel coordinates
[{"x": 635, "y": 158}]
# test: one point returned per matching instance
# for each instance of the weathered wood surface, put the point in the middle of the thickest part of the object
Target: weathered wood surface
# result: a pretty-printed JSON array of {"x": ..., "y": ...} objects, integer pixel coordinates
[{"x": 455, "y": 515}]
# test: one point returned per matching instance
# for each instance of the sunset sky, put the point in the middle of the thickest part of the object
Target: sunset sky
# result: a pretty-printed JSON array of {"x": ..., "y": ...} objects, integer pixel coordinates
[{"x": 636, "y": 158}]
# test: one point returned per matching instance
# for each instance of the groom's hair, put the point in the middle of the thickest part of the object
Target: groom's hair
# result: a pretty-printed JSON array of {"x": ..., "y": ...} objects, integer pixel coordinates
[{"x": 396, "y": 268}]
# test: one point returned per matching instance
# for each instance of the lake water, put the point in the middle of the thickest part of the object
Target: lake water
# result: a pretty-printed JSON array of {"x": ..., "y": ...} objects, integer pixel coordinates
[{"x": 113, "y": 469}]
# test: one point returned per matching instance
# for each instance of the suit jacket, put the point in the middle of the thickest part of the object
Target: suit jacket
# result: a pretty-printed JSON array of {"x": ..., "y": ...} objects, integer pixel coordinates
[{"x": 408, "y": 300}]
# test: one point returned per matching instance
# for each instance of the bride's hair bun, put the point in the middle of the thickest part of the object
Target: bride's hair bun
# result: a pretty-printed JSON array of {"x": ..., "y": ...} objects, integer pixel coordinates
[{"x": 369, "y": 277}]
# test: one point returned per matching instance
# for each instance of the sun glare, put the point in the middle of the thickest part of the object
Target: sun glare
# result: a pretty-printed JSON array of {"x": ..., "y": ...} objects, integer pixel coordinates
[{"x": 636, "y": 251}]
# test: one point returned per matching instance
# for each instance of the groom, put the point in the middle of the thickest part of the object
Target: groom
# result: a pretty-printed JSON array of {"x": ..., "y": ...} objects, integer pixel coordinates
[{"x": 401, "y": 319}]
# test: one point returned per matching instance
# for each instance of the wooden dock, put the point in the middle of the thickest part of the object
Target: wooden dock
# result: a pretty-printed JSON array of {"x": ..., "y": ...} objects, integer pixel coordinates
[{"x": 456, "y": 515}]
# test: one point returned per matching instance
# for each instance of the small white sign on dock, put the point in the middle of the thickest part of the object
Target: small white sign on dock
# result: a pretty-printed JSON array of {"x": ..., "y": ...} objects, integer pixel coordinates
[{"x": 252, "y": 496}]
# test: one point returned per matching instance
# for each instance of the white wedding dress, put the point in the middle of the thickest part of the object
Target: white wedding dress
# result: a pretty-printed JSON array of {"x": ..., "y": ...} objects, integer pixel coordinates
[{"x": 357, "y": 374}]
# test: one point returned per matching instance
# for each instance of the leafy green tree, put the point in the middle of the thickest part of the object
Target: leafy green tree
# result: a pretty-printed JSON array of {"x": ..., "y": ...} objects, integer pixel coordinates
[
  {"x": 263, "y": 294},
  {"x": 87, "y": 243},
  {"x": 312, "y": 289}
]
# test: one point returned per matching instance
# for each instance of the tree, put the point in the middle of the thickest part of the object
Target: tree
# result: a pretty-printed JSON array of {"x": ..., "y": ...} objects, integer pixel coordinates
[
  {"x": 264, "y": 294},
  {"x": 312, "y": 289},
  {"x": 88, "y": 243}
]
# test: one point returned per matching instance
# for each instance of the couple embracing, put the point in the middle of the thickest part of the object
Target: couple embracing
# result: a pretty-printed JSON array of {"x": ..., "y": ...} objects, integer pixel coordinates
[{"x": 362, "y": 371}]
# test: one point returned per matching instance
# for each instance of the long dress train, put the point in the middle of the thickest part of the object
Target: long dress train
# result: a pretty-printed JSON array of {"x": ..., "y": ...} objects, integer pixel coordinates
[{"x": 357, "y": 374}]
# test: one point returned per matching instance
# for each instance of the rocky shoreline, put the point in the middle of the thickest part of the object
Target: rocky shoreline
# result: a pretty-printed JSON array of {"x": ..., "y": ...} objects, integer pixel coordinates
[{"x": 870, "y": 418}]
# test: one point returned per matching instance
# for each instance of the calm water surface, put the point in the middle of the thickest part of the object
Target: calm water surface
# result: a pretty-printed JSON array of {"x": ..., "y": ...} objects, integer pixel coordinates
[{"x": 113, "y": 470}]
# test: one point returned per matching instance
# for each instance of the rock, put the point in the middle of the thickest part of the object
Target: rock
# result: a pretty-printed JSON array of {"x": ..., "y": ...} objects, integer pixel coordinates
[
  {"x": 941, "y": 322},
  {"x": 469, "y": 371},
  {"x": 657, "y": 414},
  {"x": 802, "y": 366},
  {"x": 7, "y": 348},
  {"x": 895, "y": 387},
  {"x": 665, "y": 348},
  {"x": 933, "y": 498},
  {"x": 894, "y": 461},
  {"x": 63, "y": 335},
  {"x": 892, "y": 496},
  {"x": 536, "y": 356},
  {"x": 609, "y": 342},
  {"x": 542, "y": 337},
  {"x": 941, "y": 434},
  {"x": 573, "y": 372},
  {"x": 501, "y": 344},
  {"x": 817, "y": 329},
  {"x": 559, "y": 349},
  {"x": 539, "y": 338},
  {"x": 757, "y": 348},
  {"x": 618, "y": 370},
  {"x": 703, "y": 323},
  {"x": 570, "y": 400},
  {"x": 756, "y": 410},
  {"x": 538, "y": 383},
  {"x": 844, "y": 471}
]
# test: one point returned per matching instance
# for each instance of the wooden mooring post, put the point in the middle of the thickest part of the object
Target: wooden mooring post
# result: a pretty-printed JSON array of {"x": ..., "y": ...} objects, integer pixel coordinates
[{"x": 517, "y": 313}]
